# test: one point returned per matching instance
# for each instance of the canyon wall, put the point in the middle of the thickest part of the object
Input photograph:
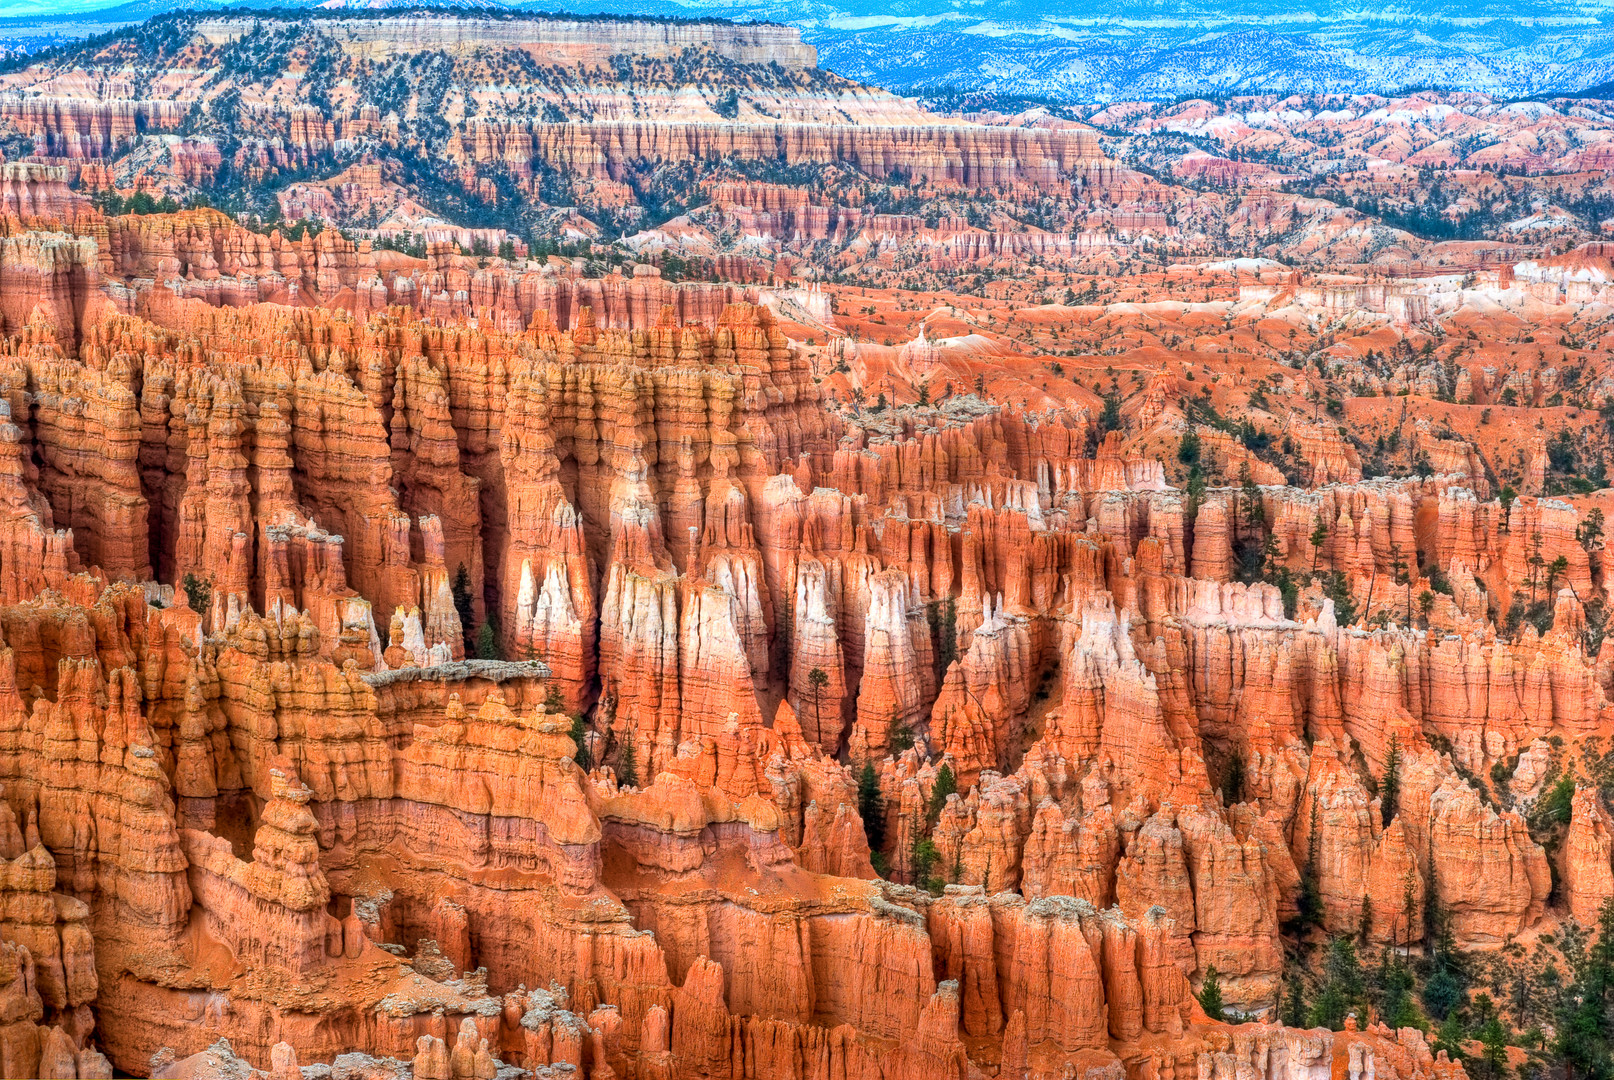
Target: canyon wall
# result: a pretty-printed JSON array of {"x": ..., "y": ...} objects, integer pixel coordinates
[{"x": 245, "y": 730}]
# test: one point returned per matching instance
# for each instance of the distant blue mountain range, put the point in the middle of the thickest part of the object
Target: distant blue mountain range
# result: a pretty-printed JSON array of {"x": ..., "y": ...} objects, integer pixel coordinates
[{"x": 1088, "y": 50}]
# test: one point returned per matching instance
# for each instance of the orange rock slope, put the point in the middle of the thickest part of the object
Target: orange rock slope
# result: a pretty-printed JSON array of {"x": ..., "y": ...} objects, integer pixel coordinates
[{"x": 527, "y": 694}]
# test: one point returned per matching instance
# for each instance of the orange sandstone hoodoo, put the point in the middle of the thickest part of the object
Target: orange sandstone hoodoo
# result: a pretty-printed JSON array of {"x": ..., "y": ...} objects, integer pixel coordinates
[{"x": 464, "y": 667}]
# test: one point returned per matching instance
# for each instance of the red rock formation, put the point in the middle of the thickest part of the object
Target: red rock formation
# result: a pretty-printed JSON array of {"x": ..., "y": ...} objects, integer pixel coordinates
[
  {"x": 898, "y": 676},
  {"x": 1588, "y": 858},
  {"x": 262, "y": 501}
]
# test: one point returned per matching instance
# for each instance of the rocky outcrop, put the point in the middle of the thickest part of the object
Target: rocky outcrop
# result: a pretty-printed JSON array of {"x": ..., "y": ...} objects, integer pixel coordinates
[
  {"x": 474, "y": 663},
  {"x": 1588, "y": 858}
]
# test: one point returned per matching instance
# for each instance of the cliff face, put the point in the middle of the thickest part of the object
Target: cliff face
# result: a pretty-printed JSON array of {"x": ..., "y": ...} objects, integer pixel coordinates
[
  {"x": 405, "y": 125},
  {"x": 966, "y": 156},
  {"x": 488, "y": 663},
  {"x": 277, "y": 748},
  {"x": 576, "y": 42}
]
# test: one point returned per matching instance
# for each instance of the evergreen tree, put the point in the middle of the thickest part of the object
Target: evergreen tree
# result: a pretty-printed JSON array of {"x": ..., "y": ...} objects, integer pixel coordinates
[
  {"x": 817, "y": 679},
  {"x": 1447, "y": 984},
  {"x": 1233, "y": 507},
  {"x": 1389, "y": 990},
  {"x": 1342, "y": 968},
  {"x": 1493, "y": 1057},
  {"x": 943, "y": 618},
  {"x": 1188, "y": 447},
  {"x": 1409, "y": 907},
  {"x": 627, "y": 765},
  {"x": 1110, "y": 418},
  {"x": 1319, "y": 537},
  {"x": 869, "y": 806},
  {"x": 1390, "y": 783},
  {"x": 1293, "y": 1012},
  {"x": 1310, "y": 901},
  {"x": 1233, "y": 780},
  {"x": 1255, "y": 513},
  {"x": 461, "y": 588},
  {"x": 922, "y": 857},
  {"x": 946, "y": 784},
  {"x": 1364, "y": 924},
  {"x": 1339, "y": 591},
  {"x": 584, "y": 757},
  {"x": 1210, "y": 993},
  {"x": 1329, "y": 1009},
  {"x": 487, "y": 643},
  {"x": 1451, "y": 1036},
  {"x": 1402, "y": 577},
  {"x": 1441, "y": 993},
  {"x": 1195, "y": 486},
  {"x": 1582, "y": 1044},
  {"x": 1341, "y": 991},
  {"x": 198, "y": 593},
  {"x": 1590, "y": 532}
]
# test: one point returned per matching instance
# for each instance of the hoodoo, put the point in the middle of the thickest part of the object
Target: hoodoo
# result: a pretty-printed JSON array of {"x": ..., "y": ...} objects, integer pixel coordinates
[{"x": 543, "y": 546}]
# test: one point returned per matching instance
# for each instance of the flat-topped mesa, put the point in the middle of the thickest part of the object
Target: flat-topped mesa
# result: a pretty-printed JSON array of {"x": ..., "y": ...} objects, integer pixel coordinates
[
  {"x": 569, "y": 42},
  {"x": 963, "y": 155},
  {"x": 595, "y": 121}
]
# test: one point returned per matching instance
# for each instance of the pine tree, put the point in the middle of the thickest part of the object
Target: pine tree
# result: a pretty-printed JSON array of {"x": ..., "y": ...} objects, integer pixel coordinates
[
  {"x": 1447, "y": 985},
  {"x": 1493, "y": 1037},
  {"x": 1319, "y": 537},
  {"x": 946, "y": 784},
  {"x": 1399, "y": 565},
  {"x": 1536, "y": 564},
  {"x": 1391, "y": 991},
  {"x": 627, "y": 765},
  {"x": 1233, "y": 780},
  {"x": 1342, "y": 985},
  {"x": 817, "y": 679},
  {"x": 1293, "y": 1013},
  {"x": 947, "y": 650},
  {"x": 461, "y": 589},
  {"x": 1255, "y": 513},
  {"x": 869, "y": 806},
  {"x": 1451, "y": 1036},
  {"x": 1390, "y": 783},
  {"x": 922, "y": 857},
  {"x": 1195, "y": 485},
  {"x": 487, "y": 643},
  {"x": 1310, "y": 903},
  {"x": 1582, "y": 1043},
  {"x": 1210, "y": 993},
  {"x": 1109, "y": 418},
  {"x": 584, "y": 757},
  {"x": 1409, "y": 905},
  {"x": 1364, "y": 924},
  {"x": 1188, "y": 447}
]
